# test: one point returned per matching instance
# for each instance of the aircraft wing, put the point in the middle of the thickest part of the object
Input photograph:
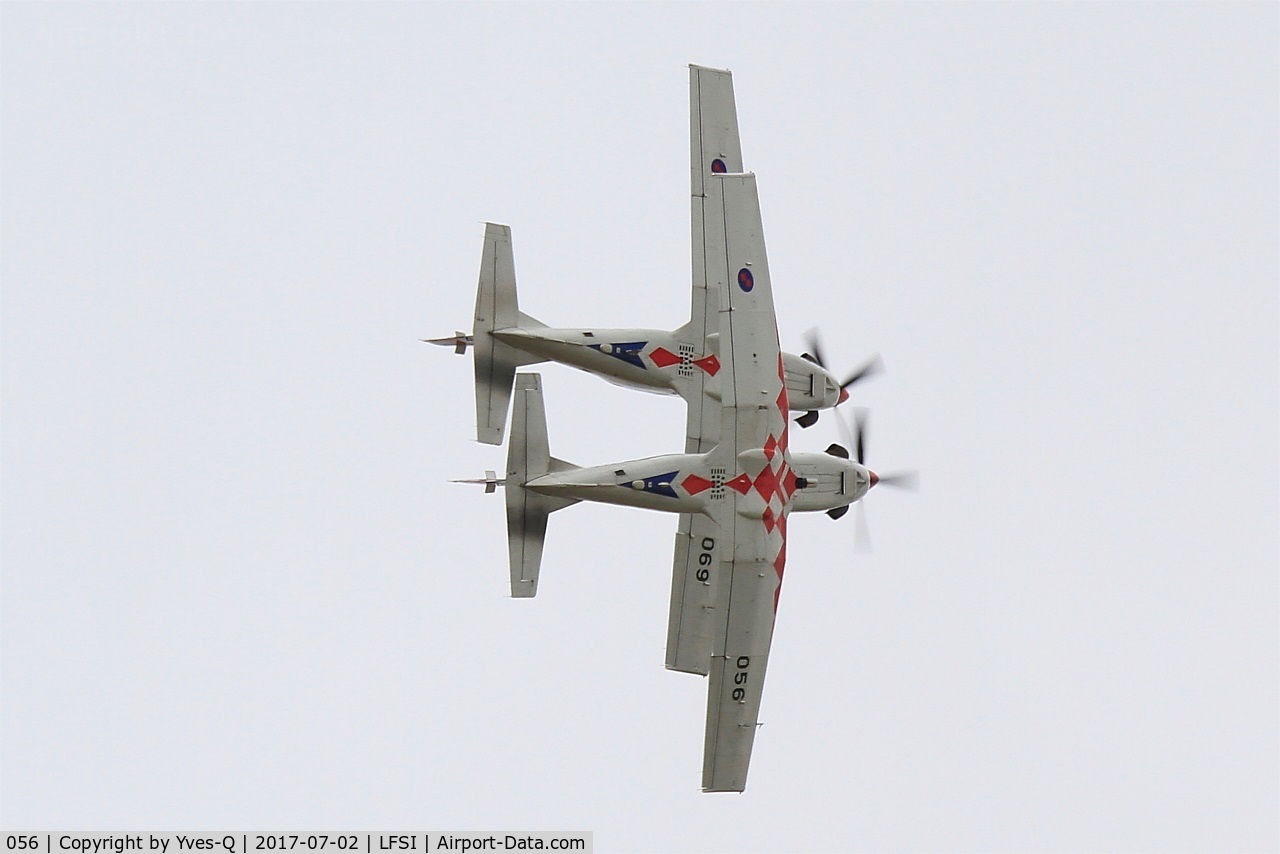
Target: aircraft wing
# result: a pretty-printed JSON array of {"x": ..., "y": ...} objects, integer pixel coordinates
[
  {"x": 751, "y": 515},
  {"x": 714, "y": 146},
  {"x": 689, "y": 626}
]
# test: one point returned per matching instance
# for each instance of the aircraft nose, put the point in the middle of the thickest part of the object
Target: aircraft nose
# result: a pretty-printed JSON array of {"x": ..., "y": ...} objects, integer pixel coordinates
[
  {"x": 875, "y": 478},
  {"x": 844, "y": 395}
]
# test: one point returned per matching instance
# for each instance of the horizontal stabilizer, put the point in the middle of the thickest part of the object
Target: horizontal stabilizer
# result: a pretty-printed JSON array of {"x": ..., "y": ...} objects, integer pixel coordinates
[
  {"x": 528, "y": 458},
  {"x": 496, "y": 309}
]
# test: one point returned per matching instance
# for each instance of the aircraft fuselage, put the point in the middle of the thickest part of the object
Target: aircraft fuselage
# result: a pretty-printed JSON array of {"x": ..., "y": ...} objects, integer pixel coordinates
[
  {"x": 687, "y": 483},
  {"x": 655, "y": 360}
]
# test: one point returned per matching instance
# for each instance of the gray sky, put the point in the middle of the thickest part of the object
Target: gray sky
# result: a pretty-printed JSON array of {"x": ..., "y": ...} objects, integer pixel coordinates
[{"x": 239, "y": 593}]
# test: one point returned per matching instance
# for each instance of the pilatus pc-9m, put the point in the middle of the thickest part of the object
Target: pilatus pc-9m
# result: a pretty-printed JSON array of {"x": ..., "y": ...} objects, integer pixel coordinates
[{"x": 684, "y": 361}]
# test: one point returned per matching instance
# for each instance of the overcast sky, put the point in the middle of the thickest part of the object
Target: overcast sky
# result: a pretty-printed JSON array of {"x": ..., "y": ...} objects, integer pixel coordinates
[{"x": 238, "y": 591}]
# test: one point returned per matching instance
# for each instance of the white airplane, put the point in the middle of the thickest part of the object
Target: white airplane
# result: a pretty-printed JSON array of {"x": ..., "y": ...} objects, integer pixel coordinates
[
  {"x": 683, "y": 361},
  {"x": 686, "y": 361},
  {"x": 745, "y": 486}
]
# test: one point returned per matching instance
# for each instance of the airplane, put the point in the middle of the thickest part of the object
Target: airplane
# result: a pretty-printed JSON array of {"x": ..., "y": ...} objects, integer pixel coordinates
[
  {"x": 683, "y": 361},
  {"x": 746, "y": 485},
  {"x": 686, "y": 361}
]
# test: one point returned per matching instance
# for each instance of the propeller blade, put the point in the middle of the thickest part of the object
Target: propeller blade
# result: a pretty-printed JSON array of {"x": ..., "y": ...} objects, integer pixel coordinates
[
  {"x": 902, "y": 480},
  {"x": 815, "y": 346},
  {"x": 860, "y": 435},
  {"x": 846, "y": 435},
  {"x": 873, "y": 366},
  {"x": 861, "y": 531},
  {"x": 857, "y": 436},
  {"x": 870, "y": 368}
]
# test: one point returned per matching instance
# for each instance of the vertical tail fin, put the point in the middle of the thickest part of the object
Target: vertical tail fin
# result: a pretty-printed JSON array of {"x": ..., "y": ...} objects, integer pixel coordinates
[{"x": 528, "y": 458}]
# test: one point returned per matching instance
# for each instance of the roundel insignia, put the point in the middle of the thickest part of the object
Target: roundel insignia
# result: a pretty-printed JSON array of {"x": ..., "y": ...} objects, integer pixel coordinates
[
  {"x": 717, "y": 165},
  {"x": 746, "y": 281}
]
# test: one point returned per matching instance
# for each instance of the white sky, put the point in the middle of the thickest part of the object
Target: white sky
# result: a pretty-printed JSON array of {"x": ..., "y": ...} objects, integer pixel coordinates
[{"x": 239, "y": 593}]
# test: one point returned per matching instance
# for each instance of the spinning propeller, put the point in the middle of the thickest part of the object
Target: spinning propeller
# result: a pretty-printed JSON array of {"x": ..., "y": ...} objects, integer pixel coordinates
[
  {"x": 870, "y": 368},
  {"x": 858, "y": 439}
]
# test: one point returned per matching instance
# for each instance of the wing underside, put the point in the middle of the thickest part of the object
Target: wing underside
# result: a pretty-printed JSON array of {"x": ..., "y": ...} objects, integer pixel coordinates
[
  {"x": 752, "y": 515},
  {"x": 689, "y": 628},
  {"x": 714, "y": 145}
]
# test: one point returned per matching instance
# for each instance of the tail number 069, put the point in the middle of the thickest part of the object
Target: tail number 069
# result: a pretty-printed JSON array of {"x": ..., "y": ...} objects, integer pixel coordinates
[{"x": 705, "y": 557}]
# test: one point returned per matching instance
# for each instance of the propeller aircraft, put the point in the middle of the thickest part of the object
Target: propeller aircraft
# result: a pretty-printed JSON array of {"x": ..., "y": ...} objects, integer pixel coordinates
[{"x": 683, "y": 361}]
